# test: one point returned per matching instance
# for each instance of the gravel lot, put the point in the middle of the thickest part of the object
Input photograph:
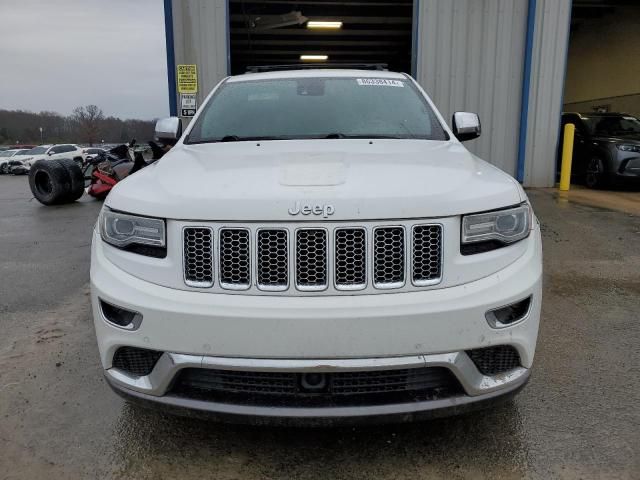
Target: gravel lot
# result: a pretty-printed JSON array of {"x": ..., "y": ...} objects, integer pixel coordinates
[{"x": 577, "y": 418}]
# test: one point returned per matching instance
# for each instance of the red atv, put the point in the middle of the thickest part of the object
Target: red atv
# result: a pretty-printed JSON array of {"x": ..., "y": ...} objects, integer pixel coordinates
[{"x": 54, "y": 182}]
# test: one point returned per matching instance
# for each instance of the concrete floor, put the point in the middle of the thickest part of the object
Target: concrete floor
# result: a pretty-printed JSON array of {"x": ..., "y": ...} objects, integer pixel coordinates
[{"x": 577, "y": 418}]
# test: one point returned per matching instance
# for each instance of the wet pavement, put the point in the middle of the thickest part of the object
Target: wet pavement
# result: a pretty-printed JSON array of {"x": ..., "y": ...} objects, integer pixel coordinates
[{"x": 579, "y": 417}]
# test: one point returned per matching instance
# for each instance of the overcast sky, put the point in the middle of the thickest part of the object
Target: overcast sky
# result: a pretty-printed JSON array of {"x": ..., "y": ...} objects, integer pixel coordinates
[{"x": 58, "y": 54}]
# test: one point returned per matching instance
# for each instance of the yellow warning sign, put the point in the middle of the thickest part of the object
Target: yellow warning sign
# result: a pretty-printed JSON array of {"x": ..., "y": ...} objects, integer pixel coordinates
[{"x": 187, "y": 79}]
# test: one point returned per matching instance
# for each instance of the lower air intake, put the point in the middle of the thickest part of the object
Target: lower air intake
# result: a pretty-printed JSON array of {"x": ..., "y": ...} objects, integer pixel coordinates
[
  {"x": 136, "y": 361},
  {"x": 494, "y": 360},
  {"x": 316, "y": 388}
]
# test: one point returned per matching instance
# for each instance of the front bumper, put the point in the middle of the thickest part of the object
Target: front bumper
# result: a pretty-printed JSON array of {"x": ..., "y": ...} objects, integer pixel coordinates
[
  {"x": 487, "y": 391},
  {"x": 346, "y": 333}
]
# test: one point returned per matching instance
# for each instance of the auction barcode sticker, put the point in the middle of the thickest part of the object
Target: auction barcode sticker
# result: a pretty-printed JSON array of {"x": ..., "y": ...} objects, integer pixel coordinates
[{"x": 380, "y": 82}]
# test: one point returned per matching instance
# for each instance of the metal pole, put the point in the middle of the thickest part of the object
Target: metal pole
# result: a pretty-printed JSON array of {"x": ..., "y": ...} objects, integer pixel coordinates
[{"x": 567, "y": 157}]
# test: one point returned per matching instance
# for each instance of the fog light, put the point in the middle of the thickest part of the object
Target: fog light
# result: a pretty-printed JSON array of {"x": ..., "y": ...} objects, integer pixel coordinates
[
  {"x": 508, "y": 315},
  {"x": 120, "y": 317}
]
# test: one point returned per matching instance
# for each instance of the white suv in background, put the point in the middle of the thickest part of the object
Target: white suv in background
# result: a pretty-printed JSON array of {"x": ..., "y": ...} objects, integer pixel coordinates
[
  {"x": 51, "y": 152},
  {"x": 8, "y": 155},
  {"x": 318, "y": 246}
]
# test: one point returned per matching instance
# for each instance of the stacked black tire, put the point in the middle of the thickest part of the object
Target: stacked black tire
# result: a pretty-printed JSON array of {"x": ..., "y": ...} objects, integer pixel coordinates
[{"x": 54, "y": 182}]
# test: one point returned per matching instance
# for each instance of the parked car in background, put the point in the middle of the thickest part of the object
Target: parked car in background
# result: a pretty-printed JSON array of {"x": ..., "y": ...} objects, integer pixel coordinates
[
  {"x": 6, "y": 156},
  {"x": 18, "y": 167},
  {"x": 51, "y": 152},
  {"x": 93, "y": 152},
  {"x": 606, "y": 148}
]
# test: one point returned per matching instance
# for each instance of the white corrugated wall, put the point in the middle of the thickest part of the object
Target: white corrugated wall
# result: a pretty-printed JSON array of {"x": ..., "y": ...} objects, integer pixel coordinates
[
  {"x": 470, "y": 58},
  {"x": 551, "y": 38},
  {"x": 200, "y": 29}
]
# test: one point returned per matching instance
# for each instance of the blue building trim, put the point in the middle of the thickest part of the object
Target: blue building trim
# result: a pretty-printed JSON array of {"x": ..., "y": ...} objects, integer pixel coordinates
[
  {"x": 526, "y": 88},
  {"x": 414, "y": 38},
  {"x": 171, "y": 58}
]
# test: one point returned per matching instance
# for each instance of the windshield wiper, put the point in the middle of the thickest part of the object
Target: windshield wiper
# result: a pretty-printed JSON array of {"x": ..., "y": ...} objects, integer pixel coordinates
[
  {"x": 236, "y": 138},
  {"x": 344, "y": 135},
  {"x": 335, "y": 135},
  {"x": 230, "y": 138}
]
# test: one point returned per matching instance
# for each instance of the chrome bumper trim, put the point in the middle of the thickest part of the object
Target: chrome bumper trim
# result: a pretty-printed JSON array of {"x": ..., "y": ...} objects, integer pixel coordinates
[
  {"x": 474, "y": 383},
  {"x": 321, "y": 416}
]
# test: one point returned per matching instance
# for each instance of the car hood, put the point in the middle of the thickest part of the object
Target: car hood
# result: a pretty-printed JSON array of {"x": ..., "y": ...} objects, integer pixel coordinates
[
  {"x": 359, "y": 179},
  {"x": 31, "y": 159}
]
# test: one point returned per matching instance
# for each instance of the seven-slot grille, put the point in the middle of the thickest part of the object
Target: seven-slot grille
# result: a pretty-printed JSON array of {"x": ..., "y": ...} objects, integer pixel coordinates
[
  {"x": 313, "y": 258},
  {"x": 350, "y": 258},
  {"x": 273, "y": 259},
  {"x": 235, "y": 258},
  {"x": 388, "y": 257},
  {"x": 198, "y": 256},
  {"x": 426, "y": 263}
]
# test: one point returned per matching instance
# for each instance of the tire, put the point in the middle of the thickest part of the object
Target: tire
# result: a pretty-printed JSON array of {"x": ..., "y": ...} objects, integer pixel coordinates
[
  {"x": 75, "y": 176},
  {"x": 49, "y": 182},
  {"x": 596, "y": 176},
  {"x": 4, "y": 168}
]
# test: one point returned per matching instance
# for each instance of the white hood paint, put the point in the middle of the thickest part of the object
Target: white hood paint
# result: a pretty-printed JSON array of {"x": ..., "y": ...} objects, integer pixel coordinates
[{"x": 361, "y": 179}]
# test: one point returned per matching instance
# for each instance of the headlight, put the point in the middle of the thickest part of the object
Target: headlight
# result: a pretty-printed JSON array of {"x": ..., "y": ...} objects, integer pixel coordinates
[
  {"x": 629, "y": 148},
  {"x": 142, "y": 235},
  {"x": 497, "y": 228}
]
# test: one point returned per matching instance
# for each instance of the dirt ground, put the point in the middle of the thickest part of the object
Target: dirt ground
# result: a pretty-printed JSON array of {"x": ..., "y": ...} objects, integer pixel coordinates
[{"x": 579, "y": 417}]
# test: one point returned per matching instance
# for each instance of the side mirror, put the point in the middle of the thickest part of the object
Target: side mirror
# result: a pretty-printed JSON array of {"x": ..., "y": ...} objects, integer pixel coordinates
[
  {"x": 169, "y": 130},
  {"x": 50, "y": 152},
  {"x": 466, "y": 126}
]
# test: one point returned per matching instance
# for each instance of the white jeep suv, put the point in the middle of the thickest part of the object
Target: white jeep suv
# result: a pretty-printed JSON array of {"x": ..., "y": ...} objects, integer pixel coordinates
[
  {"x": 318, "y": 246},
  {"x": 53, "y": 152}
]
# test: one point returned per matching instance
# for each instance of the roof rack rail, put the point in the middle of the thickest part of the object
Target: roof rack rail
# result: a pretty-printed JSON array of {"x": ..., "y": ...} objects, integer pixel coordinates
[{"x": 307, "y": 66}]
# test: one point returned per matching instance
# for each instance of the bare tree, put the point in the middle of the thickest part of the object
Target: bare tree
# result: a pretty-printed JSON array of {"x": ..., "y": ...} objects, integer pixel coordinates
[
  {"x": 19, "y": 126},
  {"x": 88, "y": 120}
]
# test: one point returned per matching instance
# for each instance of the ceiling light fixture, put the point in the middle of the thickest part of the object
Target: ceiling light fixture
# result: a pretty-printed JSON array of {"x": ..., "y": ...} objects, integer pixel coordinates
[
  {"x": 313, "y": 58},
  {"x": 323, "y": 24}
]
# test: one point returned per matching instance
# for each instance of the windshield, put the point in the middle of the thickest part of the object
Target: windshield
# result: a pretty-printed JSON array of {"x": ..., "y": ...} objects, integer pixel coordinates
[
  {"x": 21, "y": 152},
  {"x": 613, "y": 125},
  {"x": 6, "y": 153},
  {"x": 37, "y": 150},
  {"x": 303, "y": 108}
]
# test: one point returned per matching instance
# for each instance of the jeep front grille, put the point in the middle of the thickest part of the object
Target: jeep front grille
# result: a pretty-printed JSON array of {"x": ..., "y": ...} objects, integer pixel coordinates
[
  {"x": 334, "y": 258},
  {"x": 388, "y": 257},
  {"x": 426, "y": 254},
  {"x": 273, "y": 259},
  {"x": 350, "y": 258},
  {"x": 198, "y": 257},
  {"x": 235, "y": 259},
  {"x": 311, "y": 259}
]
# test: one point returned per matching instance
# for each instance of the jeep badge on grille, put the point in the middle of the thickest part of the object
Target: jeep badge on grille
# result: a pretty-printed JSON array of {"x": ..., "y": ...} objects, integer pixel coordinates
[{"x": 324, "y": 210}]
